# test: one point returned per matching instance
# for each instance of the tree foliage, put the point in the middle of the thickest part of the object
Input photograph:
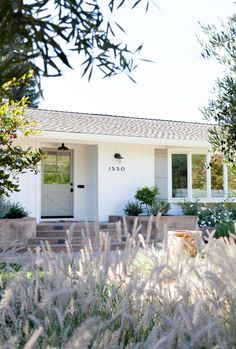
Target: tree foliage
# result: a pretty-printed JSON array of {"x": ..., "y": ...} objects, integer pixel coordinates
[
  {"x": 14, "y": 65},
  {"x": 39, "y": 35},
  {"x": 50, "y": 29},
  {"x": 29, "y": 90},
  {"x": 221, "y": 44},
  {"x": 15, "y": 160}
]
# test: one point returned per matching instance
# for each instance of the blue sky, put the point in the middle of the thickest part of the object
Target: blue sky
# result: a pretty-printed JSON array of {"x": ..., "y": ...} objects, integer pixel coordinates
[{"x": 174, "y": 87}]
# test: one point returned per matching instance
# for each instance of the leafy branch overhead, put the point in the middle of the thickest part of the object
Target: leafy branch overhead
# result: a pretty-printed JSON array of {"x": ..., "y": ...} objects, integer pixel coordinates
[
  {"x": 51, "y": 29},
  {"x": 15, "y": 160},
  {"x": 220, "y": 44},
  {"x": 12, "y": 66}
]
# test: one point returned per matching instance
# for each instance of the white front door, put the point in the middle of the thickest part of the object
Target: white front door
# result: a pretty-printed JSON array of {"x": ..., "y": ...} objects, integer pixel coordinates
[{"x": 57, "y": 184}]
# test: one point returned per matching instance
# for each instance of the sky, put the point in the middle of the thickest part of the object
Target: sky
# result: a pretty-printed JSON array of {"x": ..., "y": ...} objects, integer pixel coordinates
[{"x": 175, "y": 87}]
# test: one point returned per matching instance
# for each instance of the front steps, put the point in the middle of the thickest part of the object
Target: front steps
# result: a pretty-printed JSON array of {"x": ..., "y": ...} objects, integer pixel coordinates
[{"x": 76, "y": 233}]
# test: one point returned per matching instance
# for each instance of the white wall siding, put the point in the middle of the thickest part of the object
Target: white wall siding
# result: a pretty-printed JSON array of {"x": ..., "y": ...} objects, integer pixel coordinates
[
  {"x": 161, "y": 172},
  {"x": 85, "y": 173},
  {"x": 119, "y": 179},
  {"x": 108, "y": 183},
  {"x": 80, "y": 195},
  {"x": 92, "y": 181}
]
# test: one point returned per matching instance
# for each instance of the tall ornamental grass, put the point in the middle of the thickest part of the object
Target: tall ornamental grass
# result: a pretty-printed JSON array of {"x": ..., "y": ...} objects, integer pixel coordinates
[{"x": 140, "y": 297}]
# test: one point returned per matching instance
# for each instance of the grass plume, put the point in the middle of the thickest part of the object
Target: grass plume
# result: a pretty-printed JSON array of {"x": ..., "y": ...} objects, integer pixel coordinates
[{"x": 139, "y": 297}]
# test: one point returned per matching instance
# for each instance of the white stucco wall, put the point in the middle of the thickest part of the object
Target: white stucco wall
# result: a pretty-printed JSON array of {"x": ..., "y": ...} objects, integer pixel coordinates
[{"x": 116, "y": 187}]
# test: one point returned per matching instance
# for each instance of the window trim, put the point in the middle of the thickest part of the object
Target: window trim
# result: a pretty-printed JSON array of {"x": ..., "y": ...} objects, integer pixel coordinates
[{"x": 190, "y": 197}]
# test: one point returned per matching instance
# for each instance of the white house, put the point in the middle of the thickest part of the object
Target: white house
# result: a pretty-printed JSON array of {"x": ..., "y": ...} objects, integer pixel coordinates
[{"x": 95, "y": 163}]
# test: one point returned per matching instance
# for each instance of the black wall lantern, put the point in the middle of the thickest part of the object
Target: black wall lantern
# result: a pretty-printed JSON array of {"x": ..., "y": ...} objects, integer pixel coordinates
[
  {"x": 118, "y": 156},
  {"x": 62, "y": 147}
]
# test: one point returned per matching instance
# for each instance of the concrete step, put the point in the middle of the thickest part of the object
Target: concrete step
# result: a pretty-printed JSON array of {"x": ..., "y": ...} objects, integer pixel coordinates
[
  {"x": 73, "y": 226},
  {"x": 54, "y": 247},
  {"x": 56, "y": 232},
  {"x": 63, "y": 233},
  {"x": 74, "y": 239},
  {"x": 48, "y": 235},
  {"x": 62, "y": 247}
]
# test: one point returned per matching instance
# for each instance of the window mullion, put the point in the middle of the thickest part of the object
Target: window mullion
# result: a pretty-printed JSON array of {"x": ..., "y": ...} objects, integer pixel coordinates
[
  {"x": 208, "y": 176},
  {"x": 225, "y": 180},
  {"x": 169, "y": 174},
  {"x": 190, "y": 192}
]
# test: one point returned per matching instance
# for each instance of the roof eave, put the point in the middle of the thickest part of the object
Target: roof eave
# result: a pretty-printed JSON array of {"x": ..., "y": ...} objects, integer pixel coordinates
[{"x": 98, "y": 138}]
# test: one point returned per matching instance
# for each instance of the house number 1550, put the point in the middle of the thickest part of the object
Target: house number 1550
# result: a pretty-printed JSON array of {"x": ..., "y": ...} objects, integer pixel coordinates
[{"x": 116, "y": 168}]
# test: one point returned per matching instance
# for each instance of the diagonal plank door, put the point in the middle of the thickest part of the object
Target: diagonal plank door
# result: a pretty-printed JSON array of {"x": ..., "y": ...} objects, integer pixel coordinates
[{"x": 57, "y": 185}]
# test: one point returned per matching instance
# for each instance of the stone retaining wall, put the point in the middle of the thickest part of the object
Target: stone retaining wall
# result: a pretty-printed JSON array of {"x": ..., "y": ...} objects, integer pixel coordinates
[
  {"x": 17, "y": 230},
  {"x": 160, "y": 225}
]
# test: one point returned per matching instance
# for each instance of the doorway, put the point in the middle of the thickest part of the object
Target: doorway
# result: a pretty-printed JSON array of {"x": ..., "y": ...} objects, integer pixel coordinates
[{"x": 57, "y": 184}]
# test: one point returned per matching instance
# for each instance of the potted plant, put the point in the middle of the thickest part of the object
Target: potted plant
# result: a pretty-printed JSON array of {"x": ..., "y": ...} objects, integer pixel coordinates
[{"x": 147, "y": 196}]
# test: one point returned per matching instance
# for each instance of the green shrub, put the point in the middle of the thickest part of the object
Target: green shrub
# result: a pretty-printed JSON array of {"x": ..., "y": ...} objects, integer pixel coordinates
[
  {"x": 147, "y": 196},
  {"x": 232, "y": 207},
  {"x": 217, "y": 215},
  {"x": 4, "y": 206},
  {"x": 206, "y": 217},
  {"x": 224, "y": 229},
  {"x": 16, "y": 210},
  {"x": 8, "y": 271},
  {"x": 190, "y": 208},
  {"x": 133, "y": 208},
  {"x": 161, "y": 206},
  {"x": 11, "y": 210}
]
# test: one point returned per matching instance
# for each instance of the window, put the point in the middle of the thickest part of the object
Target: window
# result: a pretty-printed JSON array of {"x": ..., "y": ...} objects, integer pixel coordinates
[
  {"x": 199, "y": 178},
  {"x": 57, "y": 168},
  {"x": 192, "y": 179},
  {"x": 179, "y": 176}
]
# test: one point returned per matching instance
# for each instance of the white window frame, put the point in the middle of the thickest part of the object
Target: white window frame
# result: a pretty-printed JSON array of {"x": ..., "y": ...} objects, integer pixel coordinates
[{"x": 189, "y": 152}]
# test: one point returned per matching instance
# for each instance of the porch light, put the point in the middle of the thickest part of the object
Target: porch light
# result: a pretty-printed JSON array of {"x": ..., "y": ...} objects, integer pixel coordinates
[
  {"x": 118, "y": 156},
  {"x": 62, "y": 147}
]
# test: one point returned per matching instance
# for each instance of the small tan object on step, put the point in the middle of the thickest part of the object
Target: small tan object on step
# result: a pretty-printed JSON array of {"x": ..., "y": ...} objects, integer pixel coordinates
[{"x": 189, "y": 241}]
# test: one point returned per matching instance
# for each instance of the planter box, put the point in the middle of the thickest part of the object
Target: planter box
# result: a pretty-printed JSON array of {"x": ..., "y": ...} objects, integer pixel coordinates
[
  {"x": 160, "y": 224},
  {"x": 17, "y": 229}
]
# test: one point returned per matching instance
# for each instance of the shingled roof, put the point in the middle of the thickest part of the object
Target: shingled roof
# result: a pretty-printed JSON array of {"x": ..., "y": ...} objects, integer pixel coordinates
[{"x": 109, "y": 125}]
